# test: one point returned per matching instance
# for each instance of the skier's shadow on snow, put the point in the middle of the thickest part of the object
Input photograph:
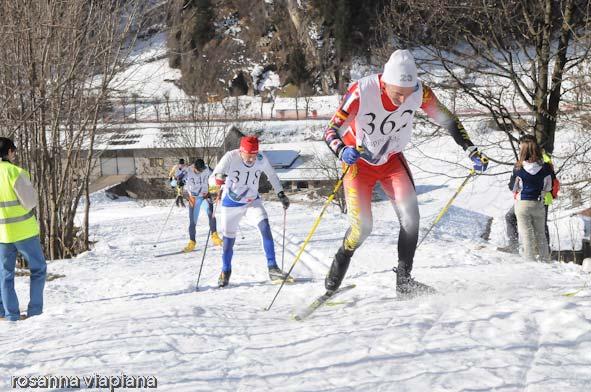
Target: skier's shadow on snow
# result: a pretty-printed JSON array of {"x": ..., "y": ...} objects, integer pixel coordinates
[
  {"x": 420, "y": 189},
  {"x": 233, "y": 286},
  {"x": 192, "y": 289},
  {"x": 142, "y": 296},
  {"x": 253, "y": 284}
]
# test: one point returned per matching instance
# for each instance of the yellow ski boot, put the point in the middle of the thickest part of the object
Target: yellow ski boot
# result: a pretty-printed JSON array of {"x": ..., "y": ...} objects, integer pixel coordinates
[
  {"x": 190, "y": 247},
  {"x": 215, "y": 238}
]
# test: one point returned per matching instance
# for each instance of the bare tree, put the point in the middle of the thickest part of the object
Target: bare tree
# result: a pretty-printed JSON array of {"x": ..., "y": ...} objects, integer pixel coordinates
[
  {"x": 156, "y": 105},
  {"x": 166, "y": 96},
  {"x": 58, "y": 60},
  {"x": 201, "y": 134},
  {"x": 330, "y": 167},
  {"x": 134, "y": 101},
  {"x": 123, "y": 103},
  {"x": 524, "y": 52}
]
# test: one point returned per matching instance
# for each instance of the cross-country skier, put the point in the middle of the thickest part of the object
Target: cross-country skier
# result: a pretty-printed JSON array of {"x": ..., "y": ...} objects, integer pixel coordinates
[
  {"x": 239, "y": 172},
  {"x": 195, "y": 179},
  {"x": 175, "y": 176},
  {"x": 370, "y": 131}
]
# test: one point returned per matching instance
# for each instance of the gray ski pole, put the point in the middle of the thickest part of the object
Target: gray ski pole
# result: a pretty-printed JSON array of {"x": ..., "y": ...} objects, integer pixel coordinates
[
  {"x": 449, "y": 203},
  {"x": 165, "y": 222},
  {"x": 311, "y": 233},
  {"x": 283, "y": 245},
  {"x": 205, "y": 250}
]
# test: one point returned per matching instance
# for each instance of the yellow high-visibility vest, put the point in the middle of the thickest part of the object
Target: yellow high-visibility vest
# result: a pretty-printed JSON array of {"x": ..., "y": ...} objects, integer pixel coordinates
[{"x": 16, "y": 223}]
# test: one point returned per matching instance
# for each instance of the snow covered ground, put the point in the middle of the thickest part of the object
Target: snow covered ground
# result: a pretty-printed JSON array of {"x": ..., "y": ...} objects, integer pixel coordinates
[{"x": 499, "y": 323}]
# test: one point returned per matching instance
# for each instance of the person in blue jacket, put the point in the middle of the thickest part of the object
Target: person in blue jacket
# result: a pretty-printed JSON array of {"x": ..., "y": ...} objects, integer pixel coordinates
[
  {"x": 511, "y": 218},
  {"x": 533, "y": 180}
]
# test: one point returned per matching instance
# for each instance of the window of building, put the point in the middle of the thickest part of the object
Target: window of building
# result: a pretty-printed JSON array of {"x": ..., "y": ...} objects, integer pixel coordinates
[
  {"x": 302, "y": 185},
  {"x": 156, "y": 162}
]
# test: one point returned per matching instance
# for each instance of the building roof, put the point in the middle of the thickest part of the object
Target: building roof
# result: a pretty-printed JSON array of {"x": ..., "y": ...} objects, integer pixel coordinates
[
  {"x": 172, "y": 135},
  {"x": 310, "y": 160},
  {"x": 282, "y": 159}
]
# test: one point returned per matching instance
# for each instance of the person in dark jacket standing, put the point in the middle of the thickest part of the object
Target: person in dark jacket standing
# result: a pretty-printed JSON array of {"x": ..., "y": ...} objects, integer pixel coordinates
[
  {"x": 511, "y": 219},
  {"x": 533, "y": 179}
]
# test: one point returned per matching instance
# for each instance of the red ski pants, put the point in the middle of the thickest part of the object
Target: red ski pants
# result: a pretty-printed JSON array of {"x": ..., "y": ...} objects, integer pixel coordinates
[{"x": 396, "y": 181}]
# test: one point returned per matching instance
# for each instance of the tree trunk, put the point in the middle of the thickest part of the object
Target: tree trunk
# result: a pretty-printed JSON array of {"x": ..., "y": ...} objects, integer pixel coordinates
[{"x": 557, "y": 75}]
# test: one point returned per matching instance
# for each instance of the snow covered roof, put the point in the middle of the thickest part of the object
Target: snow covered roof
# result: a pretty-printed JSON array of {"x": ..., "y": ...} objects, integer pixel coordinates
[
  {"x": 282, "y": 158},
  {"x": 173, "y": 135},
  {"x": 305, "y": 166}
]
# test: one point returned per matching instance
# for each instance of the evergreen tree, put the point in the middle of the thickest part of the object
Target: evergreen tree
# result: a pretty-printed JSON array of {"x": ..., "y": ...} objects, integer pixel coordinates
[
  {"x": 346, "y": 19},
  {"x": 203, "y": 29},
  {"x": 297, "y": 65}
]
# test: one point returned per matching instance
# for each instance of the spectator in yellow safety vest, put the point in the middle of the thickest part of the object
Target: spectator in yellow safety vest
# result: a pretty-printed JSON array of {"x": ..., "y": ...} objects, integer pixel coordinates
[{"x": 19, "y": 232}]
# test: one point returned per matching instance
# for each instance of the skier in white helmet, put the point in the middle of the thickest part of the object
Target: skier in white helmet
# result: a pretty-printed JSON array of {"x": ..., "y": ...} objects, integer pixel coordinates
[{"x": 370, "y": 131}]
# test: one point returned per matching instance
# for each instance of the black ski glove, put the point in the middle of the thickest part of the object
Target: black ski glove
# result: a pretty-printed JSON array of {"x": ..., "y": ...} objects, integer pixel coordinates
[{"x": 283, "y": 199}]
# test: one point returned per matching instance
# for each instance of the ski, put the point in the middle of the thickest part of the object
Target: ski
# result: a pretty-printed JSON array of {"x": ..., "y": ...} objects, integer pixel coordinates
[
  {"x": 573, "y": 293},
  {"x": 266, "y": 282},
  {"x": 289, "y": 280},
  {"x": 318, "y": 302},
  {"x": 292, "y": 280},
  {"x": 178, "y": 252}
]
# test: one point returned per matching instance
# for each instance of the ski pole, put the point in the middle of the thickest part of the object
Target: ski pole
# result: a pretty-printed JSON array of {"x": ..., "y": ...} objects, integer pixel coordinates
[
  {"x": 165, "y": 222},
  {"x": 283, "y": 246},
  {"x": 449, "y": 203},
  {"x": 205, "y": 249},
  {"x": 314, "y": 226}
]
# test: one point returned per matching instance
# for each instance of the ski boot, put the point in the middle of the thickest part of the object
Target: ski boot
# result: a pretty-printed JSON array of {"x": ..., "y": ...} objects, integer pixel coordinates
[
  {"x": 337, "y": 270},
  {"x": 190, "y": 247},
  {"x": 21, "y": 317},
  {"x": 224, "y": 278},
  {"x": 278, "y": 276},
  {"x": 215, "y": 238},
  {"x": 407, "y": 287}
]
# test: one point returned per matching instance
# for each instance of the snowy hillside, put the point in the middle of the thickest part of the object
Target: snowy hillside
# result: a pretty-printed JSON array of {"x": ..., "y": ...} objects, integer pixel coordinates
[{"x": 498, "y": 324}]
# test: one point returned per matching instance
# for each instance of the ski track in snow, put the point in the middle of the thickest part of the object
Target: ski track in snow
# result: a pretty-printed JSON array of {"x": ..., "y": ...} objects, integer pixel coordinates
[{"x": 499, "y": 323}]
